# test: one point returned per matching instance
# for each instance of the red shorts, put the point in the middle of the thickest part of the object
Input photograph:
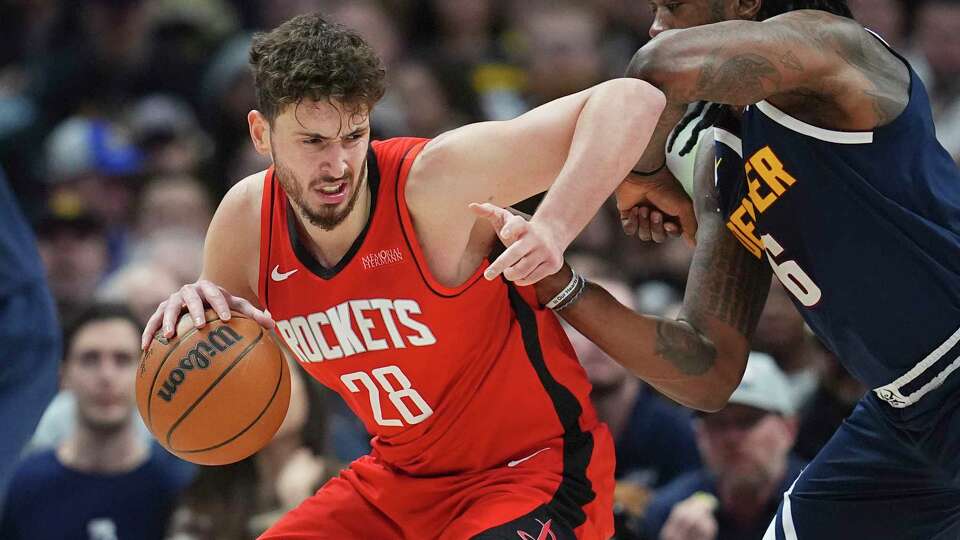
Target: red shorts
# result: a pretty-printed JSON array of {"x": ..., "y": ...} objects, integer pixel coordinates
[{"x": 563, "y": 490}]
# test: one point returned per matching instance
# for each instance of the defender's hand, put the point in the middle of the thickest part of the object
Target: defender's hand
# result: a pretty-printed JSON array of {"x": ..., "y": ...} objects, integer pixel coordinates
[
  {"x": 656, "y": 207},
  {"x": 193, "y": 297},
  {"x": 532, "y": 253}
]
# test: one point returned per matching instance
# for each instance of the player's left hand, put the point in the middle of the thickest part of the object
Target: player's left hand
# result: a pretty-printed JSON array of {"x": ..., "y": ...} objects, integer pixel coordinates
[{"x": 533, "y": 251}]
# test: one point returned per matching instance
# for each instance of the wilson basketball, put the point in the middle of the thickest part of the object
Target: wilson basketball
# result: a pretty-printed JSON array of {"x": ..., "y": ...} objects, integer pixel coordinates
[{"x": 214, "y": 395}]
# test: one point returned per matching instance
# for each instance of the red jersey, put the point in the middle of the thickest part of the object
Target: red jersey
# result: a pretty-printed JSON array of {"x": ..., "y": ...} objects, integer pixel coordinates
[{"x": 448, "y": 380}]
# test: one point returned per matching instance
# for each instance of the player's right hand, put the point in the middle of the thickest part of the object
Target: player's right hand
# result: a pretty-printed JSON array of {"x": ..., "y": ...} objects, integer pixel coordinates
[
  {"x": 195, "y": 297},
  {"x": 653, "y": 208}
]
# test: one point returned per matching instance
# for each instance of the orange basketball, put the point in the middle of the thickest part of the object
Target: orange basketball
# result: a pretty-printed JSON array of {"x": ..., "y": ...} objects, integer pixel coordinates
[{"x": 214, "y": 395}]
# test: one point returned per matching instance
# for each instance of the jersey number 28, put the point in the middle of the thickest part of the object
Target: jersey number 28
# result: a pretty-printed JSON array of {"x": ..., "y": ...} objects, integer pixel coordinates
[{"x": 381, "y": 382}]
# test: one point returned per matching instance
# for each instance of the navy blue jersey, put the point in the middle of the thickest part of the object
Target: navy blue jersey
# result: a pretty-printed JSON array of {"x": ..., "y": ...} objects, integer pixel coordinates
[
  {"x": 48, "y": 500},
  {"x": 19, "y": 260},
  {"x": 863, "y": 228}
]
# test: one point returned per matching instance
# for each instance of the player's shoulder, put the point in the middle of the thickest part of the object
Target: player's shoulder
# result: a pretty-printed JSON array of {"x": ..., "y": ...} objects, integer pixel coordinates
[
  {"x": 36, "y": 469},
  {"x": 246, "y": 195}
]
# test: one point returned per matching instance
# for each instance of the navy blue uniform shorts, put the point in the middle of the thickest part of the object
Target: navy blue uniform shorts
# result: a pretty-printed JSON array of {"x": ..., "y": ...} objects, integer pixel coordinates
[
  {"x": 886, "y": 473},
  {"x": 29, "y": 357}
]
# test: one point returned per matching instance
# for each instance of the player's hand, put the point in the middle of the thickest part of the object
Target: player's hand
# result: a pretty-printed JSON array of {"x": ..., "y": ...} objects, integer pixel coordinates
[
  {"x": 195, "y": 297},
  {"x": 655, "y": 208},
  {"x": 692, "y": 519},
  {"x": 533, "y": 251}
]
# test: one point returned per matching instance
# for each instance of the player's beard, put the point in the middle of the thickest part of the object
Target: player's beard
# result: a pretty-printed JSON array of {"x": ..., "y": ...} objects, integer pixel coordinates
[{"x": 325, "y": 218}]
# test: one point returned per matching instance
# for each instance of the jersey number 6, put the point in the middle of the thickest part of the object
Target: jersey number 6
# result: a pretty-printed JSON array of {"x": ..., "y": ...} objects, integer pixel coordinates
[
  {"x": 791, "y": 275},
  {"x": 395, "y": 395}
]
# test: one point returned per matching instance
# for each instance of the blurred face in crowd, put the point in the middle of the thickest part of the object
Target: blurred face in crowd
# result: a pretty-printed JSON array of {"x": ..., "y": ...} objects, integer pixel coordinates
[
  {"x": 319, "y": 151},
  {"x": 565, "y": 54},
  {"x": 938, "y": 35},
  {"x": 100, "y": 369},
  {"x": 676, "y": 14},
  {"x": 178, "y": 201},
  {"x": 75, "y": 261},
  {"x": 745, "y": 447}
]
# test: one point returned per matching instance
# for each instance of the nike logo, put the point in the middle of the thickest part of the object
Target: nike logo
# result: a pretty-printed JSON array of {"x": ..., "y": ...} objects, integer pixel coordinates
[
  {"x": 277, "y": 276},
  {"x": 516, "y": 462}
]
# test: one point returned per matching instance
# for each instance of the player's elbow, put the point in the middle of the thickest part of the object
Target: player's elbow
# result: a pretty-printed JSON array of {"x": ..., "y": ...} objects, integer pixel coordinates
[
  {"x": 652, "y": 63},
  {"x": 723, "y": 380},
  {"x": 646, "y": 101}
]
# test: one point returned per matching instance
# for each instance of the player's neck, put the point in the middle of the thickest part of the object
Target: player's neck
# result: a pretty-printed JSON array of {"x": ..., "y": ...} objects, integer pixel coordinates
[
  {"x": 328, "y": 247},
  {"x": 91, "y": 451}
]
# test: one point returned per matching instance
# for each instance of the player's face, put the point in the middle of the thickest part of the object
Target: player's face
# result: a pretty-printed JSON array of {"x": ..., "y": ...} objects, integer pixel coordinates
[
  {"x": 100, "y": 372},
  {"x": 676, "y": 14},
  {"x": 319, "y": 150},
  {"x": 744, "y": 444}
]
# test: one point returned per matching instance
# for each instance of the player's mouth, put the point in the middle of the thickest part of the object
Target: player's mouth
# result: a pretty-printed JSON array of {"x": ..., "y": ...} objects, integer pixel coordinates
[{"x": 331, "y": 193}]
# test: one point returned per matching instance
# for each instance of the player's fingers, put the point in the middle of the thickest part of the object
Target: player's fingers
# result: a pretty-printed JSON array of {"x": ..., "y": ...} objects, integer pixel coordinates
[
  {"x": 171, "y": 312},
  {"x": 494, "y": 214},
  {"x": 215, "y": 298},
  {"x": 672, "y": 229},
  {"x": 508, "y": 258},
  {"x": 153, "y": 324},
  {"x": 522, "y": 268},
  {"x": 542, "y": 270},
  {"x": 643, "y": 224},
  {"x": 194, "y": 304},
  {"x": 513, "y": 229},
  {"x": 628, "y": 220},
  {"x": 656, "y": 226},
  {"x": 243, "y": 306}
]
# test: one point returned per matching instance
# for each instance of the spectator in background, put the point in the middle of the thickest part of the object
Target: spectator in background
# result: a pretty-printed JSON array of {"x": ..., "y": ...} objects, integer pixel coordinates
[
  {"x": 104, "y": 481},
  {"x": 746, "y": 449},
  {"x": 165, "y": 129},
  {"x": 781, "y": 333},
  {"x": 93, "y": 166},
  {"x": 29, "y": 335},
  {"x": 937, "y": 38},
  {"x": 74, "y": 253},
  {"x": 885, "y": 17},
  {"x": 174, "y": 202},
  {"x": 834, "y": 398}
]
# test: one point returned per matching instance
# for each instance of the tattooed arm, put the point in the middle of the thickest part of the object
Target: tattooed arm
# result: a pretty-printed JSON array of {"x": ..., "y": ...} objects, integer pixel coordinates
[
  {"x": 699, "y": 358},
  {"x": 805, "y": 59}
]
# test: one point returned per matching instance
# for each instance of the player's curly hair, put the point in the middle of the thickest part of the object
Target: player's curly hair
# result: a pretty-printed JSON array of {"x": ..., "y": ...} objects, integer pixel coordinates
[
  {"x": 307, "y": 57},
  {"x": 769, "y": 8}
]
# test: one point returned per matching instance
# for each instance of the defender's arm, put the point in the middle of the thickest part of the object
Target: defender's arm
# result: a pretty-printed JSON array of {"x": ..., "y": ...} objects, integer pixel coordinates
[
  {"x": 805, "y": 53},
  {"x": 699, "y": 358}
]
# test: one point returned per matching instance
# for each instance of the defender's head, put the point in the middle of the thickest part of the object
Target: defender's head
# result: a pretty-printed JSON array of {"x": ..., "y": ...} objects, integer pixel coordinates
[
  {"x": 316, "y": 84},
  {"x": 674, "y": 14}
]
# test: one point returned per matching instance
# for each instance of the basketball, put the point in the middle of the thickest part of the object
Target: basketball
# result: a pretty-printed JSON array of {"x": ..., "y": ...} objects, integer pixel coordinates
[{"x": 214, "y": 395}]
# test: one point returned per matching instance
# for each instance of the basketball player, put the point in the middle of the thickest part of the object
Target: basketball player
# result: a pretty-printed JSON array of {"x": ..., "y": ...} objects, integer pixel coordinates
[
  {"x": 827, "y": 168},
  {"x": 29, "y": 335},
  {"x": 369, "y": 262}
]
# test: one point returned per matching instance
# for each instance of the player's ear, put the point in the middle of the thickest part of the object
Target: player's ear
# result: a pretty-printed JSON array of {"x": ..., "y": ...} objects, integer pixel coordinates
[
  {"x": 259, "y": 131},
  {"x": 746, "y": 9}
]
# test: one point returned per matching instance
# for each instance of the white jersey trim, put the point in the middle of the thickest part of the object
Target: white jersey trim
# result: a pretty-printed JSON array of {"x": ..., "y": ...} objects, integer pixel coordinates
[
  {"x": 828, "y": 135},
  {"x": 721, "y": 135},
  {"x": 891, "y": 392}
]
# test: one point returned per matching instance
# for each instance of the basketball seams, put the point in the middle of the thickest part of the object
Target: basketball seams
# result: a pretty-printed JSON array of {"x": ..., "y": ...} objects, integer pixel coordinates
[
  {"x": 253, "y": 422},
  {"x": 210, "y": 387}
]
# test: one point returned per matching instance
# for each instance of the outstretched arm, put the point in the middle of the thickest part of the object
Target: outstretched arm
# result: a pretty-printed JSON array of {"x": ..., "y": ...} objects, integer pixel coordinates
[{"x": 699, "y": 358}]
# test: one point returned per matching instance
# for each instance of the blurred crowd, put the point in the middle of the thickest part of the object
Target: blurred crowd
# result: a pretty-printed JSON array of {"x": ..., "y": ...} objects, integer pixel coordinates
[{"x": 123, "y": 122}]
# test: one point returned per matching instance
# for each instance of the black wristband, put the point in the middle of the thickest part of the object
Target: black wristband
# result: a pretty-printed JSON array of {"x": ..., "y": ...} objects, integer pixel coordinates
[{"x": 653, "y": 172}]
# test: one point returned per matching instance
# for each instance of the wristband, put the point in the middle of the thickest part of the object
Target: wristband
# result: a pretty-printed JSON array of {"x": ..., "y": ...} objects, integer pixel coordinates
[
  {"x": 653, "y": 172},
  {"x": 573, "y": 298},
  {"x": 565, "y": 293}
]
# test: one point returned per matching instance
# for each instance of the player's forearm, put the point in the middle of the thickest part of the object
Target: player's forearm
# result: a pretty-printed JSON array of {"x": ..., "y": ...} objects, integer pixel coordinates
[
  {"x": 611, "y": 133},
  {"x": 674, "y": 356}
]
